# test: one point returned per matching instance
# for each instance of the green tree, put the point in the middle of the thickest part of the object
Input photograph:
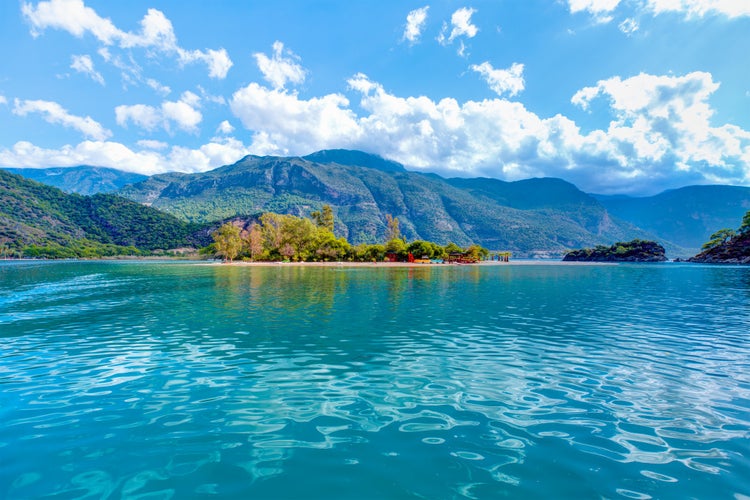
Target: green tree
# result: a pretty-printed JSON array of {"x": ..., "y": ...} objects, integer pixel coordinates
[
  {"x": 745, "y": 226},
  {"x": 719, "y": 238},
  {"x": 424, "y": 249},
  {"x": 324, "y": 218},
  {"x": 228, "y": 241},
  {"x": 452, "y": 248},
  {"x": 394, "y": 232}
]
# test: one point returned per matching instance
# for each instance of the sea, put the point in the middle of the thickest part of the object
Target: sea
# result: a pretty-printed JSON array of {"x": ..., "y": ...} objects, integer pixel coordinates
[{"x": 160, "y": 380}]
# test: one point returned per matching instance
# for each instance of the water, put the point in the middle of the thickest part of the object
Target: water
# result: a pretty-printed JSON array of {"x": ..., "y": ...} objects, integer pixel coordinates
[{"x": 168, "y": 380}]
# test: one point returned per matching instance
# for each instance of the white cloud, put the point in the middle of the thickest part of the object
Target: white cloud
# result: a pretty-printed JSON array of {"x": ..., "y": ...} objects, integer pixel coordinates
[
  {"x": 280, "y": 69},
  {"x": 146, "y": 117},
  {"x": 502, "y": 81},
  {"x": 162, "y": 89},
  {"x": 53, "y": 113},
  {"x": 701, "y": 8},
  {"x": 415, "y": 22},
  {"x": 115, "y": 155},
  {"x": 663, "y": 123},
  {"x": 84, "y": 64},
  {"x": 151, "y": 144},
  {"x": 183, "y": 113},
  {"x": 660, "y": 135},
  {"x": 283, "y": 123},
  {"x": 628, "y": 26},
  {"x": 225, "y": 127},
  {"x": 461, "y": 26},
  {"x": 600, "y": 9},
  {"x": 156, "y": 33},
  {"x": 3, "y": 100}
]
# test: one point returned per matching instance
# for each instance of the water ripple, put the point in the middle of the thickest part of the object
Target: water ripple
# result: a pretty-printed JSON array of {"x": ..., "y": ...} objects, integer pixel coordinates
[{"x": 181, "y": 381}]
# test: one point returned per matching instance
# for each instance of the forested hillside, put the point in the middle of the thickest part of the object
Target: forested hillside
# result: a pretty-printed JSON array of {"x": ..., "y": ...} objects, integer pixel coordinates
[{"x": 37, "y": 219}]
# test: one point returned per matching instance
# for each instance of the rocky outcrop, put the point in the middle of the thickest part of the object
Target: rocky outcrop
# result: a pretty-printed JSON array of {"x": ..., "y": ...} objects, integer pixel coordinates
[
  {"x": 632, "y": 251},
  {"x": 734, "y": 251}
]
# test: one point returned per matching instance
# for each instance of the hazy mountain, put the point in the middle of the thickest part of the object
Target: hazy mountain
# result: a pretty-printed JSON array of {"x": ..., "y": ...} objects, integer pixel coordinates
[
  {"x": 82, "y": 180},
  {"x": 35, "y": 214},
  {"x": 685, "y": 216},
  {"x": 544, "y": 215}
]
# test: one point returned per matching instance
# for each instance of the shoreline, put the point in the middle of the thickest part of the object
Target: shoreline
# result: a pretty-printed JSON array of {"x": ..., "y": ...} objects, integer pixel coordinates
[{"x": 409, "y": 265}]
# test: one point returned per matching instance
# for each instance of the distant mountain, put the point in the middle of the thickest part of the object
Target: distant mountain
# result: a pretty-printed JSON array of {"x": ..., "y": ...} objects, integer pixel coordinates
[
  {"x": 686, "y": 216},
  {"x": 538, "y": 215},
  {"x": 82, "y": 180},
  {"x": 35, "y": 214}
]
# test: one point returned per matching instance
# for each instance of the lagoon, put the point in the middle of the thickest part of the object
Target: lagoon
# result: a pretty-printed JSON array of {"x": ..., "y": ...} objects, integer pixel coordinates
[{"x": 182, "y": 380}]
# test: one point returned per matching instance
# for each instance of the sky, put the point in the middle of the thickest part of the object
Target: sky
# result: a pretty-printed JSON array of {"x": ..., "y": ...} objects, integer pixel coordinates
[{"x": 616, "y": 96}]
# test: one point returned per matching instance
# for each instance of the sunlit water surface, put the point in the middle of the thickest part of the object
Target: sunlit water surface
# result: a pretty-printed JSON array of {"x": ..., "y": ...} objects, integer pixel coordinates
[{"x": 166, "y": 380}]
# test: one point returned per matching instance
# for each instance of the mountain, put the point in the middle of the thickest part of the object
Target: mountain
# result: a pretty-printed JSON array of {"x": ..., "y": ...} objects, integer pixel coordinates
[
  {"x": 82, "y": 180},
  {"x": 32, "y": 213},
  {"x": 686, "y": 216},
  {"x": 538, "y": 215}
]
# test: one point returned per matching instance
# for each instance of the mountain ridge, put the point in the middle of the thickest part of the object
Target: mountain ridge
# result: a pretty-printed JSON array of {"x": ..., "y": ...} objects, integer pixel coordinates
[{"x": 427, "y": 206}]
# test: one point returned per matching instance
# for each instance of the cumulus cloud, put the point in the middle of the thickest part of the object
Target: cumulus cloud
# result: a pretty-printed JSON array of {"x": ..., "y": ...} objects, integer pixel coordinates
[
  {"x": 415, "y": 22},
  {"x": 53, "y": 113},
  {"x": 283, "y": 123},
  {"x": 157, "y": 32},
  {"x": 182, "y": 113},
  {"x": 502, "y": 81},
  {"x": 660, "y": 134},
  {"x": 3, "y": 99},
  {"x": 461, "y": 27},
  {"x": 225, "y": 128},
  {"x": 280, "y": 68},
  {"x": 146, "y": 161},
  {"x": 668, "y": 118},
  {"x": 84, "y": 64}
]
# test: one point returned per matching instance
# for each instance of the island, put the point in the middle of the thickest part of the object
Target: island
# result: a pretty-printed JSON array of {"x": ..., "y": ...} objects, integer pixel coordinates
[
  {"x": 727, "y": 246},
  {"x": 631, "y": 251}
]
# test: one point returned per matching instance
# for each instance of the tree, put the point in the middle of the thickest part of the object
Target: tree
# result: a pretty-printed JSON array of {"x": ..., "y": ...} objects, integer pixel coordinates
[
  {"x": 719, "y": 238},
  {"x": 324, "y": 218},
  {"x": 394, "y": 232},
  {"x": 745, "y": 226},
  {"x": 228, "y": 241},
  {"x": 254, "y": 241}
]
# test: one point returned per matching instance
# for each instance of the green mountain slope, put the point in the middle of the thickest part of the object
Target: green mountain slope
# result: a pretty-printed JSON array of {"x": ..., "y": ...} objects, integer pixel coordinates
[
  {"x": 363, "y": 188},
  {"x": 82, "y": 180},
  {"x": 35, "y": 214},
  {"x": 686, "y": 216}
]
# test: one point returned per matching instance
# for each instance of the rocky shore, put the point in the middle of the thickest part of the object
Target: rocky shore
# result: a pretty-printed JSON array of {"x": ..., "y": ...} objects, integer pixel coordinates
[
  {"x": 631, "y": 251},
  {"x": 733, "y": 251}
]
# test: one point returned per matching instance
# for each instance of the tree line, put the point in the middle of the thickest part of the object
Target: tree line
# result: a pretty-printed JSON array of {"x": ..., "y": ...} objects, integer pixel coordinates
[{"x": 281, "y": 237}]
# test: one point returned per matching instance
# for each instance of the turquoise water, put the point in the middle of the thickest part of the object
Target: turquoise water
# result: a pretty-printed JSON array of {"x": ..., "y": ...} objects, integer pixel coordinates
[{"x": 169, "y": 380}]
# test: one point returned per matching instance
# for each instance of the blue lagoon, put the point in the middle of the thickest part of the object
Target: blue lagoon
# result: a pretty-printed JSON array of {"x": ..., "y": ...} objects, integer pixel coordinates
[{"x": 177, "y": 380}]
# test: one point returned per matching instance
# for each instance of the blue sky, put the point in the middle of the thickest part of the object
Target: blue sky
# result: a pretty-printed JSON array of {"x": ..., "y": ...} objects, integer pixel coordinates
[{"x": 617, "y": 96}]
